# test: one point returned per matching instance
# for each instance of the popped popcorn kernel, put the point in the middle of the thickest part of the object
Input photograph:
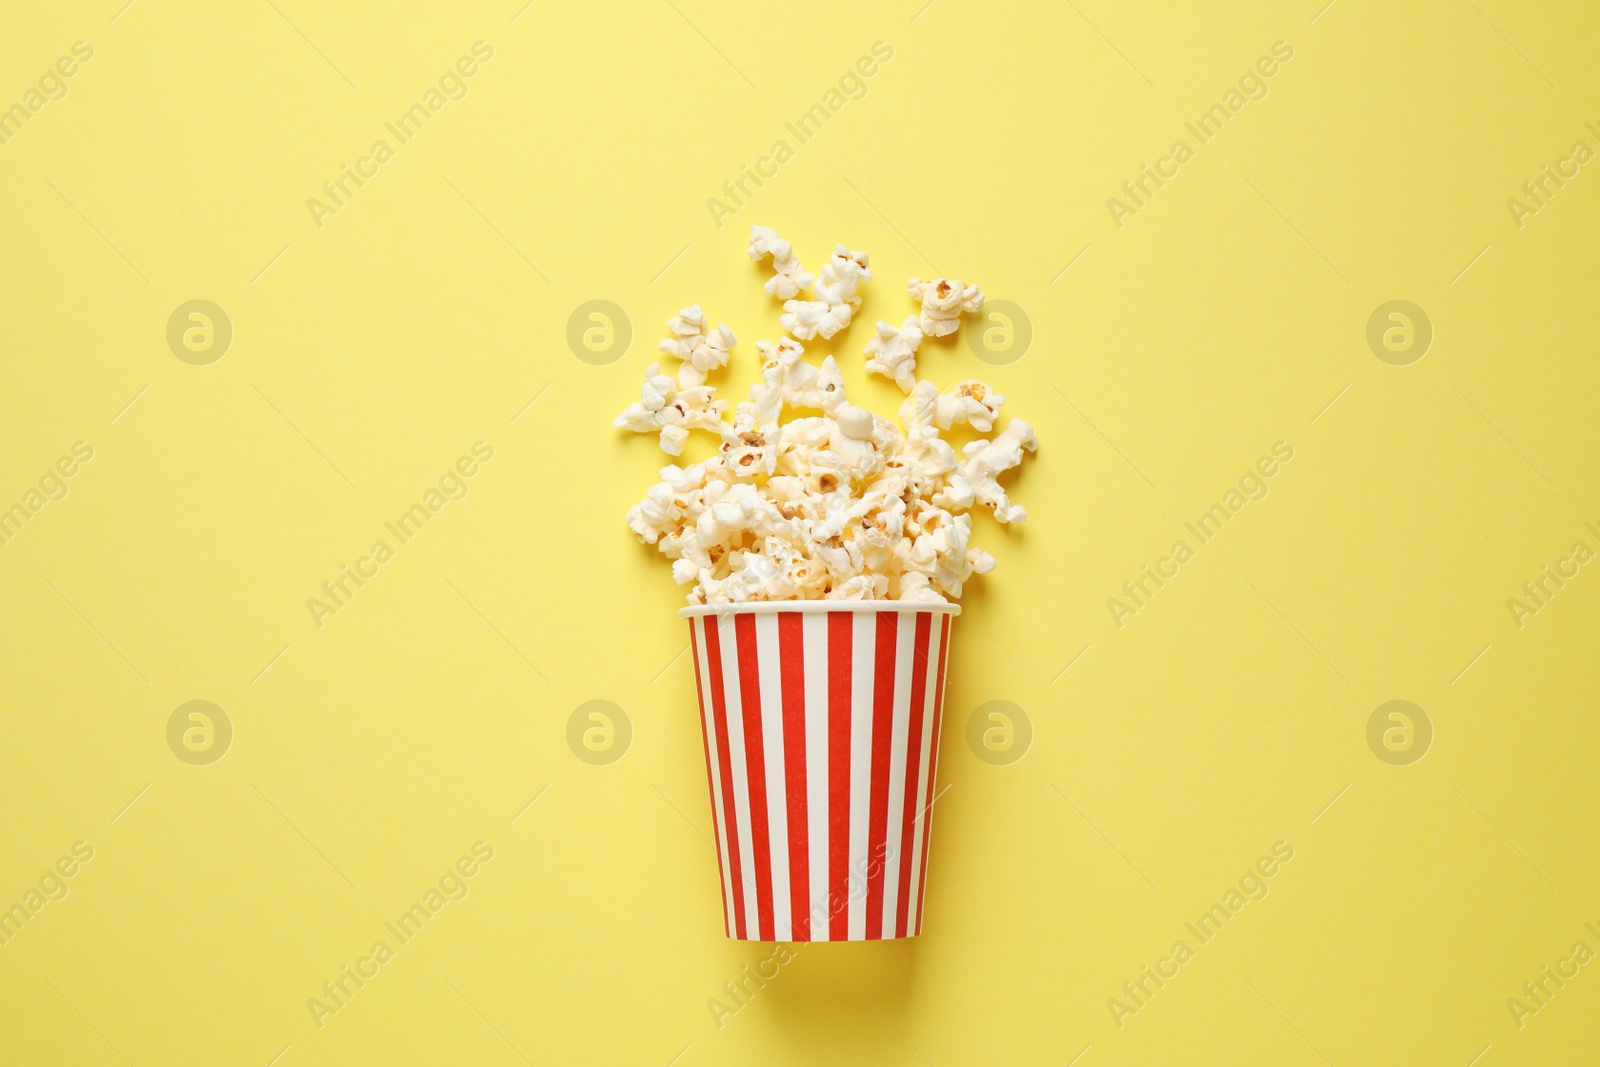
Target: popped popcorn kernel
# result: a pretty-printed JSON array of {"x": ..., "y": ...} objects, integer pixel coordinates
[
  {"x": 893, "y": 352},
  {"x": 943, "y": 301},
  {"x": 807, "y": 319},
  {"x": 789, "y": 277}
]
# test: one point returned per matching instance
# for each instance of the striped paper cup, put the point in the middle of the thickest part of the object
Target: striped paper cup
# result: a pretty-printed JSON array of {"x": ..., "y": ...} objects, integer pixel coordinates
[{"x": 821, "y": 729}]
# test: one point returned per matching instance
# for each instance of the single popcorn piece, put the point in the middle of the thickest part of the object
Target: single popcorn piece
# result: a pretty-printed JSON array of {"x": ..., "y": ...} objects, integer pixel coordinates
[
  {"x": 841, "y": 276},
  {"x": 807, "y": 319},
  {"x": 747, "y": 448},
  {"x": 893, "y": 352},
  {"x": 987, "y": 460},
  {"x": 786, "y": 377},
  {"x": 789, "y": 277},
  {"x": 970, "y": 402},
  {"x": 943, "y": 301},
  {"x": 702, "y": 350},
  {"x": 841, "y": 505}
]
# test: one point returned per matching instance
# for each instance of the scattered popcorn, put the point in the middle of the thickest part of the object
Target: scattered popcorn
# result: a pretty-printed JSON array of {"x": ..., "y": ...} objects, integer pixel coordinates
[
  {"x": 789, "y": 277},
  {"x": 943, "y": 301},
  {"x": 893, "y": 352},
  {"x": 674, "y": 411},
  {"x": 836, "y": 302},
  {"x": 843, "y": 505}
]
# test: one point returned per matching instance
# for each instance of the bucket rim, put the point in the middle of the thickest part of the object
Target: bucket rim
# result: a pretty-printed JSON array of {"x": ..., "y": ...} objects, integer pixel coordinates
[{"x": 772, "y": 607}]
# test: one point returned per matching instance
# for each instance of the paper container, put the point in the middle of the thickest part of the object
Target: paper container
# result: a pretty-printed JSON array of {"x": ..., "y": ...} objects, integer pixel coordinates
[{"x": 821, "y": 729}]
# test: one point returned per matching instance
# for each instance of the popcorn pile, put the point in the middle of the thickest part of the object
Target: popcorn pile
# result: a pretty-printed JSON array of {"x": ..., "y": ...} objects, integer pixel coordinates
[{"x": 841, "y": 506}]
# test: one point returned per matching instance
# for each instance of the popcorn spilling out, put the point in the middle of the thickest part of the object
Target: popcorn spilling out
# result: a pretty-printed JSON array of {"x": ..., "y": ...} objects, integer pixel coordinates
[{"x": 839, "y": 503}]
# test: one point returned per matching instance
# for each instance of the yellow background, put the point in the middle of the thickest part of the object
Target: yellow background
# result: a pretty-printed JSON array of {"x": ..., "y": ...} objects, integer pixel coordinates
[{"x": 370, "y": 353}]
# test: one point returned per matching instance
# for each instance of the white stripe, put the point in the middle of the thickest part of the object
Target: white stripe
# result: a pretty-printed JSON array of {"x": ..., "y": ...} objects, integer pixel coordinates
[
  {"x": 740, "y": 768},
  {"x": 933, "y": 762},
  {"x": 698, "y": 632},
  {"x": 864, "y": 626},
  {"x": 815, "y": 630},
  {"x": 772, "y": 749},
  {"x": 899, "y": 746},
  {"x": 920, "y": 792}
]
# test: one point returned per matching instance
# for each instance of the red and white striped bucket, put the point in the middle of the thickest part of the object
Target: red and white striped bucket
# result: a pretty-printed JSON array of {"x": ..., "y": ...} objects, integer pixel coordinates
[{"x": 821, "y": 729}]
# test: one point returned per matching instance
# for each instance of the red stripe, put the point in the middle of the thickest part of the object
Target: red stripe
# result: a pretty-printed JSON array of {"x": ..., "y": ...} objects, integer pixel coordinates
[
  {"x": 705, "y": 743},
  {"x": 841, "y": 627},
  {"x": 882, "y": 727},
  {"x": 730, "y": 815},
  {"x": 792, "y": 669},
  {"x": 755, "y": 760},
  {"x": 933, "y": 761},
  {"x": 919, "y": 693}
]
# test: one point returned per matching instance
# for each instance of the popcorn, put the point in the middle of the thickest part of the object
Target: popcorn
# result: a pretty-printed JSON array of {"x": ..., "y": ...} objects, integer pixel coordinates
[
  {"x": 746, "y": 449},
  {"x": 674, "y": 411},
  {"x": 809, "y": 318},
  {"x": 844, "y": 271},
  {"x": 786, "y": 376},
  {"x": 943, "y": 301},
  {"x": 836, "y": 302},
  {"x": 790, "y": 277},
  {"x": 972, "y": 403},
  {"x": 841, "y": 505},
  {"x": 893, "y": 352},
  {"x": 987, "y": 460},
  {"x": 701, "y": 350}
]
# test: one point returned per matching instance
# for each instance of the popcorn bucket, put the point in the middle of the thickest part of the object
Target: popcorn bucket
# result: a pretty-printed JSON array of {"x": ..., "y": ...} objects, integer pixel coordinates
[{"x": 821, "y": 729}]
